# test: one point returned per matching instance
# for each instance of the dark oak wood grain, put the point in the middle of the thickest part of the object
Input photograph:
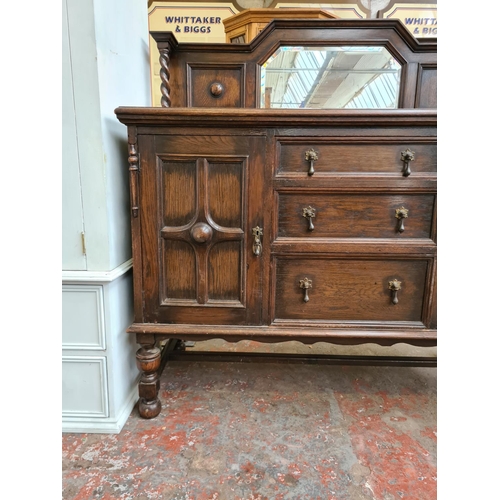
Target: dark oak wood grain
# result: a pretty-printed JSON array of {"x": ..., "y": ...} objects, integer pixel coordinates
[
  {"x": 426, "y": 95},
  {"x": 224, "y": 270},
  {"x": 364, "y": 215},
  {"x": 350, "y": 289},
  {"x": 316, "y": 359},
  {"x": 179, "y": 272},
  {"x": 226, "y": 193},
  {"x": 356, "y": 157},
  {"x": 177, "y": 190},
  {"x": 216, "y": 86},
  {"x": 283, "y": 331}
]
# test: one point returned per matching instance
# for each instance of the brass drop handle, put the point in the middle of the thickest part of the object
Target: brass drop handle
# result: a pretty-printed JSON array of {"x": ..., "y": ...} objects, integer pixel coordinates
[
  {"x": 401, "y": 215},
  {"x": 309, "y": 213},
  {"x": 311, "y": 156},
  {"x": 394, "y": 286},
  {"x": 407, "y": 156},
  {"x": 257, "y": 245},
  {"x": 305, "y": 284}
]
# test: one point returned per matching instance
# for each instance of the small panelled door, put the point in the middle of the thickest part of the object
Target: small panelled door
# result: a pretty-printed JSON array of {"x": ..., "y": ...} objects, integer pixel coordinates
[{"x": 201, "y": 199}]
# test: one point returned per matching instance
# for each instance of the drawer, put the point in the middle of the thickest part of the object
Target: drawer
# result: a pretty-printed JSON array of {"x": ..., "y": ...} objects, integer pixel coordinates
[
  {"x": 334, "y": 215},
  {"x": 350, "y": 290},
  {"x": 343, "y": 157}
]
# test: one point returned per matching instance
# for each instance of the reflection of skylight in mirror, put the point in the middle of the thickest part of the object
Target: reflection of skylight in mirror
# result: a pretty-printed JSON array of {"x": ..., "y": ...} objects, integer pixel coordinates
[{"x": 330, "y": 77}]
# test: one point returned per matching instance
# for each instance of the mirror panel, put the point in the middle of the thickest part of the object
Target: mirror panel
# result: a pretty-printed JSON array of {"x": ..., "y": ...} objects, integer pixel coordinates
[{"x": 351, "y": 77}]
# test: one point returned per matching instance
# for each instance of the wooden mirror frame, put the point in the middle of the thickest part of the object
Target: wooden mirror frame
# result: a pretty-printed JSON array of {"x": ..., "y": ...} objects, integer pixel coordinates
[{"x": 228, "y": 75}]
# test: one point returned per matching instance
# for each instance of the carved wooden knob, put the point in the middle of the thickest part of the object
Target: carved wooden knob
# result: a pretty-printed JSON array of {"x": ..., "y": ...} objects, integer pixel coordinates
[
  {"x": 216, "y": 89},
  {"x": 201, "y": 232}
]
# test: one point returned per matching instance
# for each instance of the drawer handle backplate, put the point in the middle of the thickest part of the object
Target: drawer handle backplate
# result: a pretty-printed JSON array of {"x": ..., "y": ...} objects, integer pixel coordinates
[
  {"x": 401, "y": 215},
  {"x": 305, "y": 284},
  {"x": 394, "y": 286},
  {"x": 407, "y": 156},
  {"x": 257, "y": 245},
  {"x": 309, "y": 213},
  {"x": 311, "y": 156}
]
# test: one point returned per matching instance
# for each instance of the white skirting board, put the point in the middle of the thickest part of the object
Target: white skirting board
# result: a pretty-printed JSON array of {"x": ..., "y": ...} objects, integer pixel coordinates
[{"x": 99, "y": 376}]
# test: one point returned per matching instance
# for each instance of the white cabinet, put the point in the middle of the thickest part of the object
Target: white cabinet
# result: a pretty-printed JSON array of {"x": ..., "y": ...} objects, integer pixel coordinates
[{"x": 99, "y": 377}]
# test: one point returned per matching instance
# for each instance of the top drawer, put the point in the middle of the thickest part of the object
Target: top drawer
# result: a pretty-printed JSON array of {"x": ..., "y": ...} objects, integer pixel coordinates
[{"x": 355, "y": 156}]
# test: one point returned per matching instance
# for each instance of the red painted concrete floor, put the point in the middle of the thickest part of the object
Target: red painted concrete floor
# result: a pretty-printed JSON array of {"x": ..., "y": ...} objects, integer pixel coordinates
[{"x": 231, "y": 431}]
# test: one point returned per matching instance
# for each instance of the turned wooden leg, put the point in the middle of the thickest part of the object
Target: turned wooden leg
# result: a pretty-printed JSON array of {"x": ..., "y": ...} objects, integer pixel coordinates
[{"x": 148, "y": 359}]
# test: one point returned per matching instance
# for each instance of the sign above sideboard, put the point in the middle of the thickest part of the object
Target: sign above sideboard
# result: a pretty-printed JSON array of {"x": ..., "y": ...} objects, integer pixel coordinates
[{"x": 419, "y": 19}]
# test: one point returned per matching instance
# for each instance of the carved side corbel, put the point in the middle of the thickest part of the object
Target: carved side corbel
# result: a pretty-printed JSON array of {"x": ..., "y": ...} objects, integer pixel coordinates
[{"x": 133, "y": 161}]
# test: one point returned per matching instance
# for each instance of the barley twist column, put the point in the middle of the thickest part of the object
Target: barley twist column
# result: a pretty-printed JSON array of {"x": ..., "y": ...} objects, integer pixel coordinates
[{"x": 165, "y": 77}]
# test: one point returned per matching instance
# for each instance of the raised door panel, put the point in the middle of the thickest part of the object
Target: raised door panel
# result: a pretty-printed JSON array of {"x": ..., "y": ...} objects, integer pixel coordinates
[
  {"x": 216, "y": 85},
  {"x": 196, "y": 230},
  {"x": 203, "y": 212},
  {"x": 426, "y": 94}
]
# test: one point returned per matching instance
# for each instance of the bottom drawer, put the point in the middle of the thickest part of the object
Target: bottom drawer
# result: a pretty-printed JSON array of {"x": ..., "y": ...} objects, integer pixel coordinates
[{"x": 350, "y": 289}]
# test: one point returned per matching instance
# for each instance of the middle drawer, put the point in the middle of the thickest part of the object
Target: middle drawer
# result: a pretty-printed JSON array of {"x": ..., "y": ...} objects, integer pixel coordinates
[{"x": 355, "y": 215}]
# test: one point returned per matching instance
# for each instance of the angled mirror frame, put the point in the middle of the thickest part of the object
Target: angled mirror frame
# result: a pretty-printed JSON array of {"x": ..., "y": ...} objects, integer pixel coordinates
[{"x": 333, "y": 77}]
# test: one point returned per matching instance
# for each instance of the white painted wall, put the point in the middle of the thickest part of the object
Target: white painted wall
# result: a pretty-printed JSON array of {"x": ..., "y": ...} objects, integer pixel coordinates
[
  {"x": 105, "y": 65},
  {"x": 72, "y": 209},
  {"x": 86, "y": 111},
  {"x": 122, "y": 43}
]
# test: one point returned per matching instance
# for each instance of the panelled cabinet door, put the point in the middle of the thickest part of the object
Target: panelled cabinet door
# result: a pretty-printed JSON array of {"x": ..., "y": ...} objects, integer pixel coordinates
[{"x": 201, "y": 199}]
